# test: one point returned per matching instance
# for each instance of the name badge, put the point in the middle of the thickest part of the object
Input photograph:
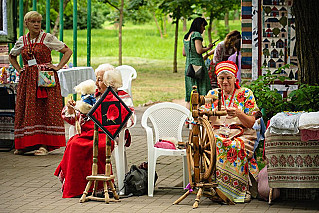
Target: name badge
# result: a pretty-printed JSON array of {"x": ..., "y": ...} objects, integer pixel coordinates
[{"x": 32, "y": 62}]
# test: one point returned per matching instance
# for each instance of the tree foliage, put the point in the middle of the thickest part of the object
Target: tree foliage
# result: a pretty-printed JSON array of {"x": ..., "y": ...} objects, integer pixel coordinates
[
  {"x": 99, "y": 13},
  {"x": 216, "y": 10}
]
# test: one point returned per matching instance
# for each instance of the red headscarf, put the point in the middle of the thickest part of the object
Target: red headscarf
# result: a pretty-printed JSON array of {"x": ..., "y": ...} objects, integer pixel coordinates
[{"x": 228, "y": 67}]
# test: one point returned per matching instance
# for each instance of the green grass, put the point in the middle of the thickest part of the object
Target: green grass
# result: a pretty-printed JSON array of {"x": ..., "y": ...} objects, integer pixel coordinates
[{"x": 142, "y": 48}]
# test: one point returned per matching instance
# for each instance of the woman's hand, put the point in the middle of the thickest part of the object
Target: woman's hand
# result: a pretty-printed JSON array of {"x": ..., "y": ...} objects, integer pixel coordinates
[
  {"x": 210, "y": 46},
  {"x": 232, "y": 112},
  {"x": 71, "y": 104},
  {"x": 51, "y": 66}
]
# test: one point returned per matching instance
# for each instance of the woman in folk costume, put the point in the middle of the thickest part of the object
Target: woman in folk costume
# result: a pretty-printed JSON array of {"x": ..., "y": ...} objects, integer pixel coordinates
[
  {"x": 38, "y": 125},
  {"x": 77, "y": 161},
  {"x": 235, "y": 137}
]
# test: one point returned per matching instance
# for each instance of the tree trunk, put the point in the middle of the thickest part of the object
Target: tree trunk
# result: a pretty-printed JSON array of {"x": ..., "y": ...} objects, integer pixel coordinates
[
  {"x": 209, "y": 29},
  {"x": 120, "y": 32},
  {"x": 184, "y": 24},
  {"x": 157, "y": 25},
  {"x": 57, "y": 21},
  {"x": 236, "y": 16},
  {"x": 164, "y": 25},
  {"x": 227, "y": 21},
  {"x": 175, "y": 47},
  {"x": 307, "y": 44}
]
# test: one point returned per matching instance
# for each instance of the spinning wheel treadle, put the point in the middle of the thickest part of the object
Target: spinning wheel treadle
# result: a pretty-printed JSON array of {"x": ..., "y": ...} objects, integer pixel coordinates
[{"x": 201, "y": 155}]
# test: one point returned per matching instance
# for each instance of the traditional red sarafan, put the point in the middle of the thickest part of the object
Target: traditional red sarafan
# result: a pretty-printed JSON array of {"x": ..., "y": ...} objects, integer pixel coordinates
[{"x": 37, "y": 114}]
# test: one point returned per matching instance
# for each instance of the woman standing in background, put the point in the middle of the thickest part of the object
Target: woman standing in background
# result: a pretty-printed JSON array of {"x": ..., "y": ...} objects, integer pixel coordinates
[
  {"x": 38, "y": 124},
  {"x": 193, "y": 50},
  {"x": 222, "y": 52}
]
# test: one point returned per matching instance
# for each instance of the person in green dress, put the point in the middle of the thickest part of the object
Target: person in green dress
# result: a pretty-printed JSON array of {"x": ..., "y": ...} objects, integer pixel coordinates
[{"x": 193, "y": 50}]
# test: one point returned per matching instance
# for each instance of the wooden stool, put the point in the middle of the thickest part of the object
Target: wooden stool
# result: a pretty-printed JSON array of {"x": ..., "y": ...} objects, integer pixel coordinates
[{"x": 105, "y": 178}]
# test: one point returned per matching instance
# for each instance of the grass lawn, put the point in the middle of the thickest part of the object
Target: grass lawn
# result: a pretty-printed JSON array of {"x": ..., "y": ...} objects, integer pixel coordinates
[{"x": 143, "y": 49}]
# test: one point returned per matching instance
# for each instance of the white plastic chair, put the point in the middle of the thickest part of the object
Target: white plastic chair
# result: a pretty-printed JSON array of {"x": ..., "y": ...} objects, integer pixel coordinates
[
  {"x": 167, "y": 120},
  {"x": 119, "y": 153},
  {"x": 128, "y": 74}
]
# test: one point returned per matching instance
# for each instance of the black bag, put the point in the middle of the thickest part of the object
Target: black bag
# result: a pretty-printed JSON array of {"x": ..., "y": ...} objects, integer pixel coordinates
[
  {"x": 195, "y": 71},
  {"x": 135, "y": 181},
  {"x": 7, "y": 106}
]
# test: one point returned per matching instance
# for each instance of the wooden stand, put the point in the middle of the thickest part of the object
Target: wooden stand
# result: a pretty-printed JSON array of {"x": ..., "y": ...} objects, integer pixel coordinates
[
  {"x": 201, "y": 155},
  {"x": 105, "y": 178}
]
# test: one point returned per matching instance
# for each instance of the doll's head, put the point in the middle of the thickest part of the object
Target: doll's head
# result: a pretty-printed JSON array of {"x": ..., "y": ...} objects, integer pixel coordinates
[{"x": 86, "y": 89}]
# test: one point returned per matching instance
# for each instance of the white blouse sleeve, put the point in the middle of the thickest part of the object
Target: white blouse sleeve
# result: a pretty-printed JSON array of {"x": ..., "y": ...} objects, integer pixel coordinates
[
  {"x": 53, "y": 43},
  {"x": 16, "y": 50}
]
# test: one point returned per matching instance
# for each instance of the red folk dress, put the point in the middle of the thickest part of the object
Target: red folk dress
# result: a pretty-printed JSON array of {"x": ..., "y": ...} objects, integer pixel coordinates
[
  {"x": 37, "y": 115},
  {"x": 77, "y": 159}
]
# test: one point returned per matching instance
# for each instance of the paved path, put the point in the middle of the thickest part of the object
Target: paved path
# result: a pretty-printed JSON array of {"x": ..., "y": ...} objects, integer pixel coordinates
[{"x": 27, "y": 184}]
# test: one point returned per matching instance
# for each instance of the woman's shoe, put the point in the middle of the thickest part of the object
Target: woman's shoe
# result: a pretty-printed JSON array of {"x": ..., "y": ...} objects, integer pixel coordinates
[
  {"x": 247, "y": 197},
  {"x": 41, "y": 152},
  {"x": 18, "y": 152}
]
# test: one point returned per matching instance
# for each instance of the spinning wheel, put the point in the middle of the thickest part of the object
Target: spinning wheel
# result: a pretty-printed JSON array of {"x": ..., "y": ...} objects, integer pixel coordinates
[{"x": 201, "y": 155}]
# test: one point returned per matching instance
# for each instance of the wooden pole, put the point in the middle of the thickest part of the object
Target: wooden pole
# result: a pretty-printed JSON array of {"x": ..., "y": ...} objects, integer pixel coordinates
[{"x": 195, "y": 100}]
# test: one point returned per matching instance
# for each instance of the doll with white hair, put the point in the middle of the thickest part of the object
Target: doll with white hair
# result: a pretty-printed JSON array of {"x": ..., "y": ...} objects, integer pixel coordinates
[{"x": 76, "y": 164}]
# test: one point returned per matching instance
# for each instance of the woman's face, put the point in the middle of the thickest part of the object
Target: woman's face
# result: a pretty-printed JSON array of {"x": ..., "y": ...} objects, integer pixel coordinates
[
  {"x": 226, "y": 82},
  {"x": 34, "y": 25},
  {"x": 99, "y": 82},
  {"x": 202, "y": 28}
]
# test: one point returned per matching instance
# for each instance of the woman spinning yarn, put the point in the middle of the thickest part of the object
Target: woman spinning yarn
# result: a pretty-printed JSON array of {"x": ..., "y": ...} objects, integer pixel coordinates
[{"x": 234, "y": 134}]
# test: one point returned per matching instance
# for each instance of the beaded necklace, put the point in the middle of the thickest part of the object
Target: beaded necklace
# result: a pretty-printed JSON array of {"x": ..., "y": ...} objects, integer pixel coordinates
[{"x": 31, "y": 46}]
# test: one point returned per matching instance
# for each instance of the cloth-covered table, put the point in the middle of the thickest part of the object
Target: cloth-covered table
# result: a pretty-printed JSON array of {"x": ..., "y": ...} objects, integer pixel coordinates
[
  {"x": 69, "y": 78},
  {"x": 292, "y": 163}
]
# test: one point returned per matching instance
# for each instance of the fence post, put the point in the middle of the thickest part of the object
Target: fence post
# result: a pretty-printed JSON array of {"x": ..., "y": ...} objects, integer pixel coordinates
[
  {"x": 34, "y": 5},
  {"x": 47, "y": 16},
  {"x": 75, "y": 23},
  {"x": 20, "y": 26},
  {"x": 61, "y": 23},
  {"x": 89, "y": 34}
]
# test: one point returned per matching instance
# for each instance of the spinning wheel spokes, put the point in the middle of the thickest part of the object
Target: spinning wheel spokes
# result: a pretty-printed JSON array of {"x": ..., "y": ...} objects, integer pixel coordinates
[{"x": 206, "y": 151}]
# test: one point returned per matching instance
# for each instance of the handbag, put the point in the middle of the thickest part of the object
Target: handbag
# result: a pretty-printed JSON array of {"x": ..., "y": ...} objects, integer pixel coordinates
[
  {"x": 46, "y": 79},
  {"x": 194, "y": 71}
]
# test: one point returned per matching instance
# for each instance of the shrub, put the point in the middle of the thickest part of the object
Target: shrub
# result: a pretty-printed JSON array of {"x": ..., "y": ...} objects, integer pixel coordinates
[
  {"x": 303, "y": 99},
  {"x": 306, "y": 98},
  {"x": 269, "y": 100}
]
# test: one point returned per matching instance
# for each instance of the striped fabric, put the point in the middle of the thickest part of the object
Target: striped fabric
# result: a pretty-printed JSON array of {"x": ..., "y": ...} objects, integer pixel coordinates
[
  {"x": 228, "y": 66},
  {"x": 246, "y": 50}
]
